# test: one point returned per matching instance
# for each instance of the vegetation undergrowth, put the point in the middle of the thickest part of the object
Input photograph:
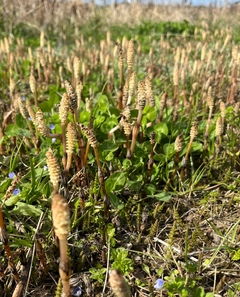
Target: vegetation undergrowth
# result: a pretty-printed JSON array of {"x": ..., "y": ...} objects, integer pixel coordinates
[{"x": 121, "y": 154}]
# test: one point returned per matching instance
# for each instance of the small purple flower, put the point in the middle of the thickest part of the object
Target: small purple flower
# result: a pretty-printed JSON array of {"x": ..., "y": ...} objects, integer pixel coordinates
[
  {"x": 30, "y": 119},
  {"x": 54, "y": 140},
  {"x": 16, "y": 192},
  {"x": 159, "y": 284},
  {"x": 45, "y": 167},
  {"x": 77, "y": 292},
  {"x": 52, "y": 126},
  {"x": 23, "y": 98},
  {"x": 11, "y": 175}
]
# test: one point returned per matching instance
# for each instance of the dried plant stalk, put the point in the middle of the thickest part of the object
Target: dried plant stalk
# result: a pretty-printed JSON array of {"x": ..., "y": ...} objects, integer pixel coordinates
[
  {"x": 120, "y": 65},
  {"x": 141, "y": 100},
  {"x": 118, "y": 284},
  {"x": 163, "y": 101},
  {"x": 193, "y": 134},
  {"x": 125, "y": 95},
  {"x": 93, "y": 142},
  {"x": 178, "y": 148},
  {"x": 219, "y": 132},
  {"x": 79, "y": 89},
  {"x": 176, "y": 91},
  {"x": 151, "y": 161},
  {"x": 61, "y": 224}
]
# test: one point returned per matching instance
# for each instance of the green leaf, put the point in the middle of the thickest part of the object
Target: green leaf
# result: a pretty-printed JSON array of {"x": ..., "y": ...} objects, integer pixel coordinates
[
  {"x": 150, "y": 113},
  {"x": 236, "y": 256},
  {"x": 20, "y": 121},
  {"x": 163, "y": 196},
  {"x": 116, "y": 181},
  {"x": 160, "y": 158},
  {"x": 197, "y": 147},
  {"x": 161, "y": 128},
  {"x": 109, "y": 146},
  {"x": 169, "y": 149},
  {"x": 2, "y": 139},
  {"x": 14, "y": 130},
  {"x": 109, "y": 124},
  {"x": 18, "y": 242},
  {"x": 109, "y": 156},
  {"x": 26, "y": 210},
  {"x": 98, "y": 121},
  {"x": 47, "y": 106},
  {"x": 146, "y": 268},
  {"x": 209, "y": 295},
  {"x": 84, "y": 116},
  {"x": 12, "y": 200},
  {"x": 133, "y": 185},
  {"x": 126, "y": 164},
  {"x": 116, "y": 202},
  {"x": 150, "y": 189},
  {"x": 103, "y": 102}
]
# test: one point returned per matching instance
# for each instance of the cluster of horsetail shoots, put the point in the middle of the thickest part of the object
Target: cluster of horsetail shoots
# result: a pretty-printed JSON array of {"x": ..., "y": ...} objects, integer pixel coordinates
[{"x": 135, "y": 99}]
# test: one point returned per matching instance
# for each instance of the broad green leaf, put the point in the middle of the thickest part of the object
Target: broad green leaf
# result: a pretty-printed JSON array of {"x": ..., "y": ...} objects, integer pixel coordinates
[
  {"x": 163, "y": 196},
  {"x": 160, "y": 158},
  {"x": 169, "y": 149},
  {"x": 20, "y": 121},
  {"x": 116, "y": 181},
  {"x": 236, "y": 256},
  {"x": 12, "y": 200},
  {"x": 197, "y": 147},
  {"x": 209, "y": 295},
  {"x": 200, "y": 292},
  {"x": 84, "y": 116},
  {"x": 126, "y": 164},
  {"x": 98, "y": 121},
  {"x": 150, "y": 189},
  {"x": 14, "y": 130},
  {"x": 103, "y": 102},
  {"x": 116, "y": 202},
  {"x": 47, "y": 106},
  {"x": 161, "y": 128},
  {"x": 109, "y": 156},
  {"x": 133, "y": 185},
  {"x": 151, "y": 113},
  {"x": 26, "y": 210},
  {"x": 110, "y": 123},
  {"x": 109, "y": 146}
]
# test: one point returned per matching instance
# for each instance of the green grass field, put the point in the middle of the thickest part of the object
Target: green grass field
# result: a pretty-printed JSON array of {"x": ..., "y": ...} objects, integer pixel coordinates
[{"x": 119, "y": 151}]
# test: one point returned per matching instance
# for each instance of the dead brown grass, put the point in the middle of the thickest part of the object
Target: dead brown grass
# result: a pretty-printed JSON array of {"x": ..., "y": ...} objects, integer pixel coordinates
[{"x": 41, "y": 13}]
